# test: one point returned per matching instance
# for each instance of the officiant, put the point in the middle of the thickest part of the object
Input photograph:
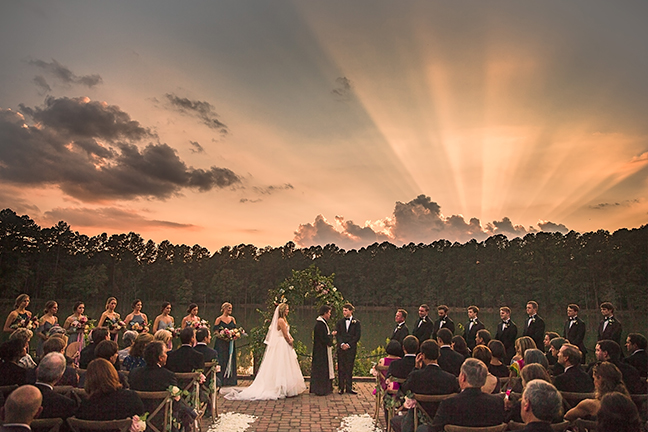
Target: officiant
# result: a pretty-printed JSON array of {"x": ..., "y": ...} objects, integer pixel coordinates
[{"x": 322, "y": 373}]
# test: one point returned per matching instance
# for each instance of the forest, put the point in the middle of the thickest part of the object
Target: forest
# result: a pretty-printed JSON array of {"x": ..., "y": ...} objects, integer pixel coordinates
[{"x": 552, "y": 268}]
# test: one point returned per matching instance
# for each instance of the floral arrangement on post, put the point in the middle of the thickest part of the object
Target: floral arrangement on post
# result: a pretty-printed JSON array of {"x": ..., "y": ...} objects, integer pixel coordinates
[{"x": 139, "y": 423}]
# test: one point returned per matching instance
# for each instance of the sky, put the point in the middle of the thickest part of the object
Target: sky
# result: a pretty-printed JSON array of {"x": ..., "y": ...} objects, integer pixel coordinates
[{"x": 226, "y": 122}]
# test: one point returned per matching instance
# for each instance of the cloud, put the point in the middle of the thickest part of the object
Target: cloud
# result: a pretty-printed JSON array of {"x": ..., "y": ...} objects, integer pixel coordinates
[
  {"x": 42, "y": 84},
  {"x": 197, "y": 148},
  {"x": 609, "y": 206},
  {"x": 267, "y": 190},
  {"x": 10, "y": 198},
  {"x": 641, "y": 158},
  {"x": 65, "y": 75},
  {"x": 200, "y": 109},
  {"x": 246, "y": 200},
  {"x": 89, "y": 150},
  {"x": 419, "y": 221},
  {"x": 342, "y": 90},
  {"x": 108, "y": 217}
]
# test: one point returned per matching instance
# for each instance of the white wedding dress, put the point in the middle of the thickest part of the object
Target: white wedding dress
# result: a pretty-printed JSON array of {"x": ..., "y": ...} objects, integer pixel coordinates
[{"x": 279, "y": 375}]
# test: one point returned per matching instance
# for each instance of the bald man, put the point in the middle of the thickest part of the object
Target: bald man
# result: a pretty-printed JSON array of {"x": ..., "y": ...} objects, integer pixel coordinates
[{"x": 22, "y": 405}]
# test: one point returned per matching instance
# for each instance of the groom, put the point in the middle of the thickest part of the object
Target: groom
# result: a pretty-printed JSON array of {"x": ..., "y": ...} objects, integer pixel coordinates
[
  {"x": 322, "y": 372},
  {"x": 348, "y": 335}
]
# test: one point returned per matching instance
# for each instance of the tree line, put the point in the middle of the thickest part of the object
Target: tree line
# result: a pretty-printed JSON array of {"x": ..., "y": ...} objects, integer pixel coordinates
[{"x": 553, "y": 268}]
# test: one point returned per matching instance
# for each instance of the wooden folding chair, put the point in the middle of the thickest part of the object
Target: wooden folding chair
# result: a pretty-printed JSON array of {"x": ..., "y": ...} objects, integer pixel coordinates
[
  {"x": 165, "y": 407},
  {"x": 6, "y": 390},
  {"x": 78, "y": 425},
  {"x": 498, "y": 428},
  {"x": 50, "y": 424},
  {"x": 392, "y": 411},
  {"x": 193, "y": 379},
  {"x": 573, "y": 398},
  {"x": 556, "y": 427},
  {"x": 212, "y": 369},
  {"x": 585, "y": 425},
  {"x": 380, "y": 392},
  {"x": 426, "y": 399}
]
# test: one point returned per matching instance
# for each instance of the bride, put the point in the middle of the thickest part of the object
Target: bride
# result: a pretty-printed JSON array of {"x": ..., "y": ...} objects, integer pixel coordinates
[{"x": 279, "y": 375}]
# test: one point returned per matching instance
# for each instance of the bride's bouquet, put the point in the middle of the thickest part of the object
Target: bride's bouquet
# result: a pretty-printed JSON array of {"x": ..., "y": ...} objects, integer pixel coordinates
[{"x": 230, "y": 334}]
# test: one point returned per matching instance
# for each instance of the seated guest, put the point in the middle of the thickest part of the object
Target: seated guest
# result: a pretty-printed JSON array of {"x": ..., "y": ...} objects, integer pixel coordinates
[
  {"x": 541, "y": 405},
  {"x": 607, "y": 379},
  {"x": 459, "y": 345},
  {"x": 393, "y": 350},
  {"x": 48, "y": 373},
  {"x": 57, "y": 345},
  {"x": 471, "y": 407},
  {"x": 534, "y": 355},
  {"x": 401, "y": 368},
  {"x": 574, "y": 379},
  {"x": 164, "y": 336},
  {"x": 185, "y": 358},
  {"x": 203, "y": 339},
  {"x": 107, "y": 400},
  {"x": 548, "y": 337},
  {"x": 107, "y": 350},
  {"x": 618, "y": 413},
  {"x": 20, "y": 408},
  {"x": 482, "y": 353},
  {"x": 24, "y": 335},
  {"x": 554, "y": 347},
  {"x": 88, "y": 353},
  {"x": 449, "y": 359},
  {"x": 522, "y": 344},
  {"x": 135, "y": 358},
  {"x": 496, "y": 366},
  {"x": 636, "y": 344},
  {"x": 608, "y": 350},
  {"x": 483, "y": 337},
  {"x": 513, "y": 405},
  {"x": 10, "y": 354},
  {"x": 128, "y": 339}
]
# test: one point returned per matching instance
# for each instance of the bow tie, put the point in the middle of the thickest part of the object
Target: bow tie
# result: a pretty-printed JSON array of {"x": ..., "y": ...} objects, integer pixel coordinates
[
  {"x": 608, "y": 319},
  {"x": 474, "y": 321},
  {"x": 347, "y": 319},
  {"x": 572, "y": 319},
  {"x": 506, "y": 322}
]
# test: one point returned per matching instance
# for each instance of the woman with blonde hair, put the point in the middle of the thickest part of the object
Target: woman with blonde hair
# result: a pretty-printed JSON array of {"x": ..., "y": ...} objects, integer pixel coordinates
[
  {"x": 522, "y": 344},
  {"x": 164, "y": 336},
  {"x": 19, "y": 315},
  {"x": 226, "y": 348},
  {"x": 111, "y": 319}
]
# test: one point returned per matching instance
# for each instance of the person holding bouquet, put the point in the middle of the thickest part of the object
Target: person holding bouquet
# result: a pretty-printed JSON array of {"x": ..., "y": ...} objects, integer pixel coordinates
[
  {"x": 137, "y": 320},
  {"x": 111, "y": 319},
  {"x": 164, "y": 321},
  {"x": 192, "y": 319},
  {"x": 20, "y": 316},
  {"x": 224, "y": 328},
  {"x": 47, "y": 321}
]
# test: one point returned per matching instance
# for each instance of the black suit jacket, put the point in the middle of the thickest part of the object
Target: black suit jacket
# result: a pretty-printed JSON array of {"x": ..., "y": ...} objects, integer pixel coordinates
[
  {"x": 423, "y": 329},
  {"x": 612, "y": 331},
  {"x": 152, "y": 378},
  {"x": 471, "y": 407},
  {"x": 430, "y": 380},
  {"x": 450, "y": 360},
  {"x": 400, "y": 332},
  {"x": 209, "y": 354},
  {"x": 185, "y": 359},
  {"x": 537, "y": 427},
  {"x": 631, "y": 378},
  {"x": 350, "y": 337},
  {"x": 639, "y": 359},
  {"x": 87, "y": 355},
  {"x": 17, "y": 428},
  {"x": 117, "y": 405},
  {"x": 576, "y": 334},
  {"x": 575, "y": 380},
  {"x": 535, "y": 330},
  {"x": 401, "y": 368},
  {"x": 507, "y": 336},
  {"x": 55, "y": 405},
  {"x": 448, "y": 323},
  {"x": 471, "y": 333}
]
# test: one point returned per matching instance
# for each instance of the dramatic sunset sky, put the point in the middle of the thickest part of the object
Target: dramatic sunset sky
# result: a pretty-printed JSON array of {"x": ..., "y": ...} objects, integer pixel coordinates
[{"x": 228, "y": 122}]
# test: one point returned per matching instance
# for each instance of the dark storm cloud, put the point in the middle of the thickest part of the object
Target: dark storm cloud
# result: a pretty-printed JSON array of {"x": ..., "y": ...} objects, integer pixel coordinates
[
  {"x": 108, "y": 217},
  {"x": 419, "y": 220},
  {"x": 42, "y": 84},
  {"x": 196, "y": 147},
  {"x": 88, "y": 150},
  {"x": 200, "y": 109},
  {"x": 65, "y": 75},
  {"x": 342, "y": 90}
]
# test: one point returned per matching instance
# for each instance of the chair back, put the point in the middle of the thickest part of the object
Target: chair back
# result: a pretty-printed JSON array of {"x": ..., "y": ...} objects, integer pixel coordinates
[
  {"x": 72, "y": 349},
  {"x": 556, "y": 427},
  {"x": 497, "y": 428},
  {"x": 50, "y": 424},
  {"x": 424, "y": 398},
  {"x": 77, "y": 425},
  {"x": 585, "y": 425},
  {"x": 573, "y": 398},
  {"x": 163, "y": 409}
]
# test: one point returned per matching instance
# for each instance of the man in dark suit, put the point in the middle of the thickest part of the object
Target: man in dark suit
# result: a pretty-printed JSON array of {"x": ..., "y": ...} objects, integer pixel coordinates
[
  {"x": 574, "y": 330},
  {"x": 402, "y": 367},
  {"x": 203, "y": 339},
  {"x": 472, "y": 327},
  {"x": 401, "y": 329},
  {"x": 424, "y": 326},
  {"x": 185, "y": 358},
  {"x": 449, "y": 360},
  {"x": 444, "y": 321},
  {"x": 88, "y": 353},
  {"x": 541, "y": 404},
  {"x": 348, "y": 334},
  {"x": 48, "y": 373},
  {"x": 507, "y": 333},
  {"x": 534, "y": 326},
  {"x": 610, "y": 351},
  {"x": 574, "y": 379},
  {"x": 20, "y": 408},
  {"x": 471, "y": 407},
  {"x": 609, "y": 328},
  {"x": 636, "y": 344}
]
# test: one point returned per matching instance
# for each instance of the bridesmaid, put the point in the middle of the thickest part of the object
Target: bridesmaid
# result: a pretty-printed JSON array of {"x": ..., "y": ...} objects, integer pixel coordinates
[
  {"x": 19, "y": 313},
  {"x": 137, "y": 317},
  {"x": 164, "y": 320},
  {"x": 110, "y": 318},
  {"x": 193, "y": 317},
  {"x": 226, "y": 349},
  {"x": 77, "y": 331},
  {"x": 47, "y": 321}
]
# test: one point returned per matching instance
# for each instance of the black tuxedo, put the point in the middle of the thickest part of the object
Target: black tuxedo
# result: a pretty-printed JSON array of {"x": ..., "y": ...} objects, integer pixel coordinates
[
  {"x": 471, "y": 407},
  {"x": 507, "y": 335},
  {"x": 401, "y": 368},
  {"x": 400, "y": 332},
  {"x": 537, "y": 427},
  {"x": 450, "y": 360},
  {"x": 575, "y": 380},
  {"x": 631, "y": 377},
  {"x": 447, "y": 323},
  {"x": 535, "y": 330},
  {"x": 152, "y": 378},
  {"x": 471, "y": 333},
  {"x": 430, "y": 380},
  {"x": 15, "y": 428},
  {"x": 612, "y": 331},
  {"x": 209, "y": 354},
  {"x": 87, "y": 355},
  {"x": 55, "y": 405},
  {"x": 346, "y": 358},
  {"x": 576, "y": 334},
  {"x": 185, "y": 359},
  {"x": 639, "y": 359},
  {"x": 423, "y": 329}
]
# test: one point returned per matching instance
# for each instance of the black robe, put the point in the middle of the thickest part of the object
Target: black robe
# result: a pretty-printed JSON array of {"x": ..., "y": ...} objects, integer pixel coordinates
[{"x": 320, "y": 382}]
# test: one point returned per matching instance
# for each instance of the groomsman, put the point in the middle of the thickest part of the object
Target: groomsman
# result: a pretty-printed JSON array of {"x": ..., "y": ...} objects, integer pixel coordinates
[
  {"x": 609, "y": 328},
  {"x": 444, "y": 321},
  {"x": 507, "y": 333},
  {"x": 574, "y": 330},
  {"x": 472, "y": 327},
  {"x": 401, "y": 329},
  {"x": 424, "y": 326},
  {"x": 534, "y": 327},
  {"x": 348, "y": 334}
]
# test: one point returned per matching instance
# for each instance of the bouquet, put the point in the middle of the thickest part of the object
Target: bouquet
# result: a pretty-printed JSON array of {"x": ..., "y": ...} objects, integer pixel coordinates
[
  {"x": 175, "y": 332},
  {"x": 116, "y": 325},
  {"x": 29, "y": 323},
  {"x": 230, "y": 334},
  {"x": 134, "y": 325},
  {"x": 78, "y": 325},
  {"x": 198, "y": 323}
]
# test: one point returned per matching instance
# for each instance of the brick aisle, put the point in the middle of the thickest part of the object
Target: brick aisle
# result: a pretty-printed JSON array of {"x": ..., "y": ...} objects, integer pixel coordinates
[{"x": 305, "y": 412}]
